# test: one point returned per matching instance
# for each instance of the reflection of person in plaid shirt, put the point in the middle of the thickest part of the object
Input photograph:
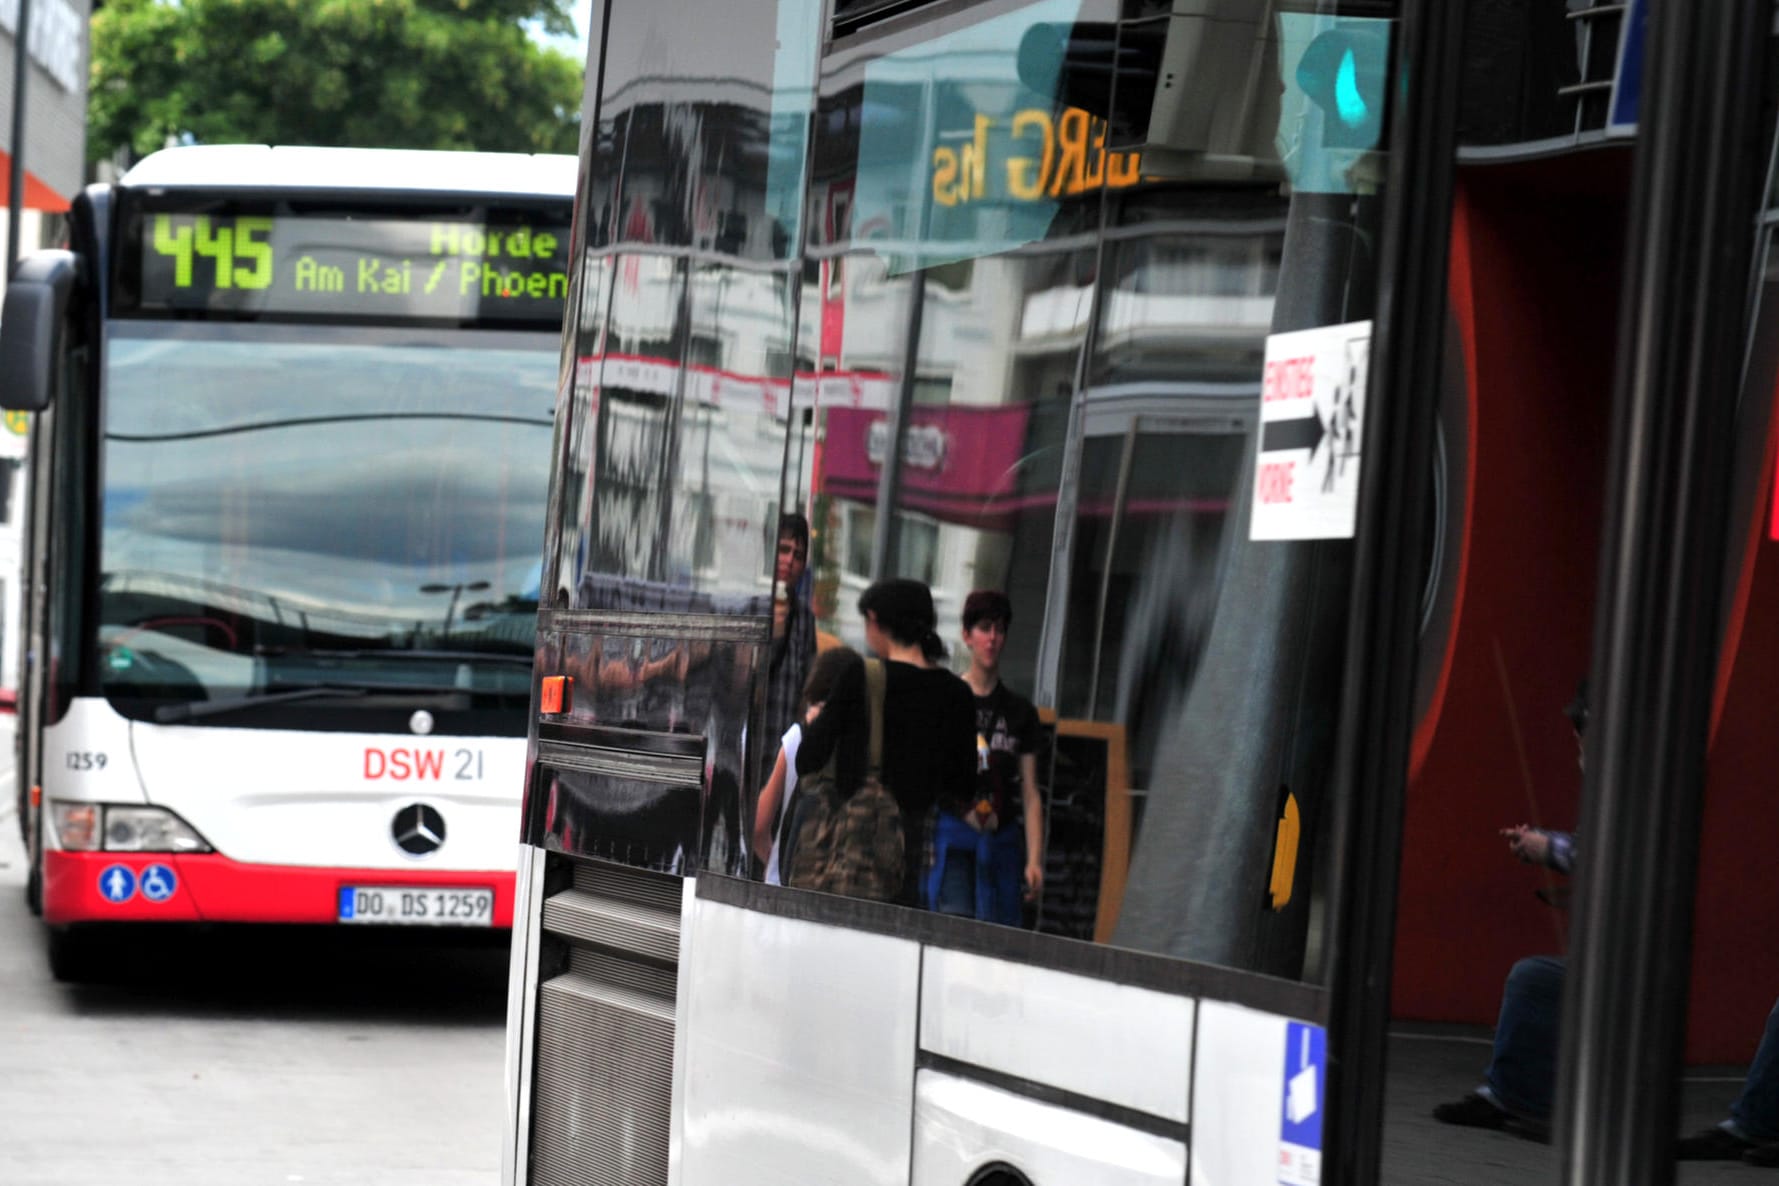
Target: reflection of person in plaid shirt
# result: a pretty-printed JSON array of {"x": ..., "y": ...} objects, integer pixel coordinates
[{"x": 793, "y": 629}]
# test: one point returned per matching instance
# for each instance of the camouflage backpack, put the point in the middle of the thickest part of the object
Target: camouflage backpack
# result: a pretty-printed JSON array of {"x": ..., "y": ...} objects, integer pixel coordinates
[{"x": 850, "y": 844}]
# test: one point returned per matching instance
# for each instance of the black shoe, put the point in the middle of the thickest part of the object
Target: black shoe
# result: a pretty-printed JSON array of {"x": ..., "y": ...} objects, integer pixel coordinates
[
  {"x": 1713, "y": 1144},
  {"x": 1532, "y": 1130},
  {"x": 1473, "y": 1111},
  {"x": 1767, "y": 1155}
]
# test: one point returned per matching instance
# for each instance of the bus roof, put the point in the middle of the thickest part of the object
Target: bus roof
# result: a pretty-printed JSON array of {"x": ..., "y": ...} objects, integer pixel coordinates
[{"x": 371, "y": 170}]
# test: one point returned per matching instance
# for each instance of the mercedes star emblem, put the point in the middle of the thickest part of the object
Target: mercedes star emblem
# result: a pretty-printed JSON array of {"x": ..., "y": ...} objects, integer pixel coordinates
[
  {"x": 418, "y": 829},
  {"x": 421, "y": 722}
]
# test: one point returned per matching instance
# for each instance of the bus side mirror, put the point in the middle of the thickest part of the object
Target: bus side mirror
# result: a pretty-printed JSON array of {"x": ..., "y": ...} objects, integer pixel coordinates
[{"x": 31, "y": 329}]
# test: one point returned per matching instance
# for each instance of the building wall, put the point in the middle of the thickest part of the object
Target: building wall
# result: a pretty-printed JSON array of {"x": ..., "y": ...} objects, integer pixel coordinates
[
  {"x": 55, "y": 99},
  {"x": 54, "y": 153}
]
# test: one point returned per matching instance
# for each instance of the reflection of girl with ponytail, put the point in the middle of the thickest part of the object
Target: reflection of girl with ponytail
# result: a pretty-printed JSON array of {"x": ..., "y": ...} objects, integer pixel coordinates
[
  {"x": 900, "y": 624},
  {"x": 929, "y": 720}
]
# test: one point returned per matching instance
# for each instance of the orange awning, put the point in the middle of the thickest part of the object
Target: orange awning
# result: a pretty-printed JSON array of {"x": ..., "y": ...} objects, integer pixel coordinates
[{"x": 38, "y": 196}]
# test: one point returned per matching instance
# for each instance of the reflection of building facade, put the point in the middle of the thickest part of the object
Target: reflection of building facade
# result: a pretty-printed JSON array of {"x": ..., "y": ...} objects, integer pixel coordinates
[
  {"x": 987, "y": 348},
  {"x": 12, "y": 520},
  {"x": 55, "y": 110},
  {"x": 54, "y": 155},
  {"x": 926, "y": 286},
  {"x": 1045, "y": 253},
  {"x": 998, "y": 345}
]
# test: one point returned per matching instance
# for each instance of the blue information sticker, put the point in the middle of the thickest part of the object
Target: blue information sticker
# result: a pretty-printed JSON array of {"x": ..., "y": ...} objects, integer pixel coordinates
[
  {"x": 1300, "y": 1116},
  {"x": 1627, "y": 86},
  {"x": 117, "y": 883}
]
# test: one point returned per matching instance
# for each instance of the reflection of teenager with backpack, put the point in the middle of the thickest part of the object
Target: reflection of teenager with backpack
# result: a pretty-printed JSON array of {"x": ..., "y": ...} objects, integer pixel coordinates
[
  {"x": 989, "y": 859},
  {"x": 770, "y": 825},
  {"x": 929, "y": 722}
]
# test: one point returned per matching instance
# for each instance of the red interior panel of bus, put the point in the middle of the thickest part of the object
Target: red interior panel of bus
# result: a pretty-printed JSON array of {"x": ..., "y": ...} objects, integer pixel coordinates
[
  {"x": 1535, "y": 303},
  {"x": 1535, "y": 292}
]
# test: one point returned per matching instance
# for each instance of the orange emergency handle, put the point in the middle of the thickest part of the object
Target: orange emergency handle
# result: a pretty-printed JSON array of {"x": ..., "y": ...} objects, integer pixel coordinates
[{"x": 557, "y": 695}]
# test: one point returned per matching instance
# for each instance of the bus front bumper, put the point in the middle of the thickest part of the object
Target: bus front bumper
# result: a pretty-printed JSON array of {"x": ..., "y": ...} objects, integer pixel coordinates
[{"x": 164, "y": 887}]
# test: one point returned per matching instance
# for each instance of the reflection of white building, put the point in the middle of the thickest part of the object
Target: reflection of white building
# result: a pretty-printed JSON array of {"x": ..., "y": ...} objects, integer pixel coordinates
[
  {"x": 12, "y": 527},
  {"x": 54, "y": 156},
  {"x": 54, "y": 153},
  {"x": 732, "y": 393},
  {"x": 1005, "y": 332}
]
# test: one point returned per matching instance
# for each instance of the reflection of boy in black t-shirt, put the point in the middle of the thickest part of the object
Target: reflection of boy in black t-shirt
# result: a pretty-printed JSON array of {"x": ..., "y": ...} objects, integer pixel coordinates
[{"x": 989, "y": 858}]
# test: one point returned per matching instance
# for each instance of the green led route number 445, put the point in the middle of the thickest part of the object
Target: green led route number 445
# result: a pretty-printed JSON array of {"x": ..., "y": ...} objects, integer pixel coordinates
[{"x": 241, "y": 259}]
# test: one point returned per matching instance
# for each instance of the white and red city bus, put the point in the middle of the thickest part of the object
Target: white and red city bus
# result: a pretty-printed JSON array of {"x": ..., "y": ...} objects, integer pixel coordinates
[{"x": 285, "y": 497}]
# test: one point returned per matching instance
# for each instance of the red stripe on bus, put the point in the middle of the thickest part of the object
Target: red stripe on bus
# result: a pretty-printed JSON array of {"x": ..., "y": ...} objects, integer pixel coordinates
[
  {"x": 213, "y": 888},
  {"x": 1459, "y": 283}
]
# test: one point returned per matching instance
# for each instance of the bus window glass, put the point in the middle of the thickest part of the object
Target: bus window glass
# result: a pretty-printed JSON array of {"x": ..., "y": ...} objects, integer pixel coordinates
[
  {"x": 1036, "y": 311},
  {"x": 1190, "y": 304},
  {"x": 684, "y": 363},
  {"x": 358, "y": 513},
  {"x": 732, "y": 440},
  {"x": 574, "y": 420},
  {"x": 69, "y": 423}
]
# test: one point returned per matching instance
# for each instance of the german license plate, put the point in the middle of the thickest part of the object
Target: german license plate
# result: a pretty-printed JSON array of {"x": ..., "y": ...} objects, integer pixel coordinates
[{"x": 439, "y": 906}]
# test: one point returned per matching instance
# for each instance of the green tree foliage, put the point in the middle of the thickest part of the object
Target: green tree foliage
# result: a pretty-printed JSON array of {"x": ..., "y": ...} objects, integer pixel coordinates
[{"x": 457, "y": 74}]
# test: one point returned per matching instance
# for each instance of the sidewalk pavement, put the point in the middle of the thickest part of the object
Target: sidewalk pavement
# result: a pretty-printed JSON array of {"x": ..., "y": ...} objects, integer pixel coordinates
[{"x": 1432, "y": 1064}]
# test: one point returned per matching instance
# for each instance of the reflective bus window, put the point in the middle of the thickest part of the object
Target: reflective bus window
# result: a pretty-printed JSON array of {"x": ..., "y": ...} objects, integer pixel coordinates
[
  {"x": 1035, "y": 311},
  {"x": 683, "y": 351},
  {"x": 393, "y": 553}
]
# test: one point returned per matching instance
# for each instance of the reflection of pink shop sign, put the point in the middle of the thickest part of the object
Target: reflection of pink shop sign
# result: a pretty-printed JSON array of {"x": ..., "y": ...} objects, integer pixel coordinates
[
  {"x": 923, "y": 446},
  {"x": 959, "y": 464}
]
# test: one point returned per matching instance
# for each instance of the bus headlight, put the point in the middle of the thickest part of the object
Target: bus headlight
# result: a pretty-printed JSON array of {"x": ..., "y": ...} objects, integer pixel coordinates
[
  {"x": 77, "y": 825},
  {"x": 149, "y": 829}
]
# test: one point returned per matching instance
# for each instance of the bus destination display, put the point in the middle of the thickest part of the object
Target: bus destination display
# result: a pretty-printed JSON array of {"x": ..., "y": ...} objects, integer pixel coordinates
[{"x": 355, "y": 267}]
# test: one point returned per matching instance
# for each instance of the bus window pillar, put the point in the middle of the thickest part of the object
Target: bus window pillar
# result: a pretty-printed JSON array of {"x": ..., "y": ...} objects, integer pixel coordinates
[{"x": 1656, "y": 629}]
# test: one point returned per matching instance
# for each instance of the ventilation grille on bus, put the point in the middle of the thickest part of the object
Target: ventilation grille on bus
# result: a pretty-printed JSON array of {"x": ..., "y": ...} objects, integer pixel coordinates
[{"x": 602, "y": 1097}]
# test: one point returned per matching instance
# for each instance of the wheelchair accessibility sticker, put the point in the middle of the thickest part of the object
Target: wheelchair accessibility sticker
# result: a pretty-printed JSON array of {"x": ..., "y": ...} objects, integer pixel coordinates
[
  {"x": 1300, "y": 1121},
  {"x": 118, "y": 884},
  {"x": 159, "y": 883}
]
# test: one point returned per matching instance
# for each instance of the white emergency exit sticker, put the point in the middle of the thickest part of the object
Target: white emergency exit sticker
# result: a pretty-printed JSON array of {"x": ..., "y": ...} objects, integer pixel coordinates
[{"x": 1312, "y": 411}]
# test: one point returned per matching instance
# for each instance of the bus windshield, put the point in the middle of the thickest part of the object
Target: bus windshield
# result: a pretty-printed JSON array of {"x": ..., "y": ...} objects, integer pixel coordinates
[{"x": 315, "y": 506}]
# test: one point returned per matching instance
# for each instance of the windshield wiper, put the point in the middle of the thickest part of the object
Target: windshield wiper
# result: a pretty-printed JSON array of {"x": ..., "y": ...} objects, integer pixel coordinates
[
  {"x": 192, "y": 709},
  {"x": 394, "y": 652}
]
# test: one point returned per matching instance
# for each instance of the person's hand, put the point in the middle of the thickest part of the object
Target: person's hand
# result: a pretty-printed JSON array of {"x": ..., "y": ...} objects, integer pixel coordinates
[
  {"x": 1529, "y": 844},
  {"x": 1034, "y": 880},
  {"x": 781, "y": 613}
]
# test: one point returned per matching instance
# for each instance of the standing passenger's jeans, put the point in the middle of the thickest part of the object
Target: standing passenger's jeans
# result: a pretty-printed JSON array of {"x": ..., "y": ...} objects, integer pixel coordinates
[
  {"x": 977, "y": 874},
  {"x": 1522, "y": 1073},
  {"x": 1756, "y": 1111}
]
